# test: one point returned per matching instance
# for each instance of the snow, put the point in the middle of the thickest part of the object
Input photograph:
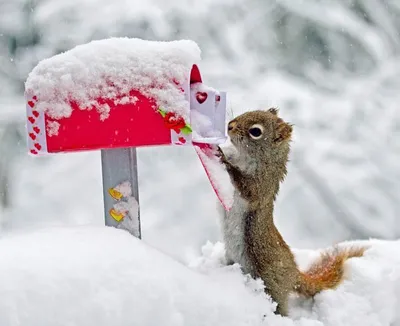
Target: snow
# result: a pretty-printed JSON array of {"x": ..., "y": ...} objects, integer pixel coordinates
[
  {"x": 130, "y": 222},
  {"x": 52, "y": 128},
  {"x": 127, "y": 207},
  {"x": 104, "y": 276},
  {"x": 110, "y": 69},
  {"x": 202, "y": 126},
  {"x": 125, "y": 188}
]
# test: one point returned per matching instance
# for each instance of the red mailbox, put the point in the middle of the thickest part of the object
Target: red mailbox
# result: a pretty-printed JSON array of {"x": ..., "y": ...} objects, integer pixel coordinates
[{"x": 118, "y": 94}]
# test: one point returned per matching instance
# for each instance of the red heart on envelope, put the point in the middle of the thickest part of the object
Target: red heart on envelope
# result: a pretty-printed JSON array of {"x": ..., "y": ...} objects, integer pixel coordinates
[{"x": 201, "y": 97}]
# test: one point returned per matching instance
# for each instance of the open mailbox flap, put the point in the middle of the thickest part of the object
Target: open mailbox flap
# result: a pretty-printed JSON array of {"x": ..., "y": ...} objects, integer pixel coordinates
[{"x": 208, "y": 119}]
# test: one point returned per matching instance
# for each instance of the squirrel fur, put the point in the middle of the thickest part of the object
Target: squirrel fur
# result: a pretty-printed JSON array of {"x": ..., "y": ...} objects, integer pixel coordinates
[{"x": 261, "y": 140}]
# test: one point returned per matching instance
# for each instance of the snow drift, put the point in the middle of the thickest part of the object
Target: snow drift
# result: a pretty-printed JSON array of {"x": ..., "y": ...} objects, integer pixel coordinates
[{"x": 103, "y": 276}]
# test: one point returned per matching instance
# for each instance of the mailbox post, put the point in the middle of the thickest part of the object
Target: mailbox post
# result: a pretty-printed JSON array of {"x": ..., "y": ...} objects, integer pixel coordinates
[{"x": 119, "y": 168}]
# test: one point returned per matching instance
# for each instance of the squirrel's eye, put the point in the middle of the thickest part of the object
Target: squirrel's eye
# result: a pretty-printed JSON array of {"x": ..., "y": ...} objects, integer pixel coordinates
[{"x": 256, "y": 131}]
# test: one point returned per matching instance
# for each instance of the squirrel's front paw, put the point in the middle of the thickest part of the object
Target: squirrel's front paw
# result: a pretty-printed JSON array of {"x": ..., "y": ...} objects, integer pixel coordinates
[{"x": 220, "y": 154}]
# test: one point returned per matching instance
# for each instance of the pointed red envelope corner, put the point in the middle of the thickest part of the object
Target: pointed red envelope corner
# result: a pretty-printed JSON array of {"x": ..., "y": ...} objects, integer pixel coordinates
[{"x": 122, "y": 93}]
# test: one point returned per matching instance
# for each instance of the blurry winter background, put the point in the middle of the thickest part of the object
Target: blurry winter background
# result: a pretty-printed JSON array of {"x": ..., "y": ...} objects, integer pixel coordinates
[{"x": 331, "y": 66}]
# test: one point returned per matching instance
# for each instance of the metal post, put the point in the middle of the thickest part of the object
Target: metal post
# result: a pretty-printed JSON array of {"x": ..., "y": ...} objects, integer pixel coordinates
[{"x": 121, "y": 189}]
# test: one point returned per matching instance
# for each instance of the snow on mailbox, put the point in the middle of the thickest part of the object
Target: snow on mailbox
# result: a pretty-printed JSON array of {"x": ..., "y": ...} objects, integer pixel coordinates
[{"x": 115, "y": 95}]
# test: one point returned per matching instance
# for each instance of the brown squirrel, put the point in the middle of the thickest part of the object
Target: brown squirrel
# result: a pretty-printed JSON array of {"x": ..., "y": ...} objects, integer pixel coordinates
[{"x": 262, "y": 143}]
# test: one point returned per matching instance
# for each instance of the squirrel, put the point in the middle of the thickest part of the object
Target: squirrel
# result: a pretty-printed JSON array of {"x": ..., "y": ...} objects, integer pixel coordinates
[{"x": 261, "y": 140}]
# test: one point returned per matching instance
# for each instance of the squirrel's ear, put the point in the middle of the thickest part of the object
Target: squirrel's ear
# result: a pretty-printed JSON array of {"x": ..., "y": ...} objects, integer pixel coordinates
[
  {"x": 274, "y": 111},
  {"x": 283, "y": 130}
]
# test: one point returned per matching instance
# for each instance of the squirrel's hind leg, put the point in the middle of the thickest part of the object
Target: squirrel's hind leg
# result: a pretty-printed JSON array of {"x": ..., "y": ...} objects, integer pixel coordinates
[
  {"x": 282, "y": 299},
  {"x": 282, "y": 310}
]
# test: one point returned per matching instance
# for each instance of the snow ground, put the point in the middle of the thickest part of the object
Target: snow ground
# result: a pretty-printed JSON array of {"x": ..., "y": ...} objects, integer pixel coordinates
[{"x": 103, "y": 276}]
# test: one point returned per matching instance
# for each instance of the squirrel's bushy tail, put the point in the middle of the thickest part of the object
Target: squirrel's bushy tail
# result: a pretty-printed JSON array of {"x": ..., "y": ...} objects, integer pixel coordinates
[{"x": 327, "y": 272}]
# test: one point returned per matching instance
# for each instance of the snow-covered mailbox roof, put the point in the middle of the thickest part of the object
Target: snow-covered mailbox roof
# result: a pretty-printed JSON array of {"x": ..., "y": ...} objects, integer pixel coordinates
[{"x": 122, "y": 93}]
